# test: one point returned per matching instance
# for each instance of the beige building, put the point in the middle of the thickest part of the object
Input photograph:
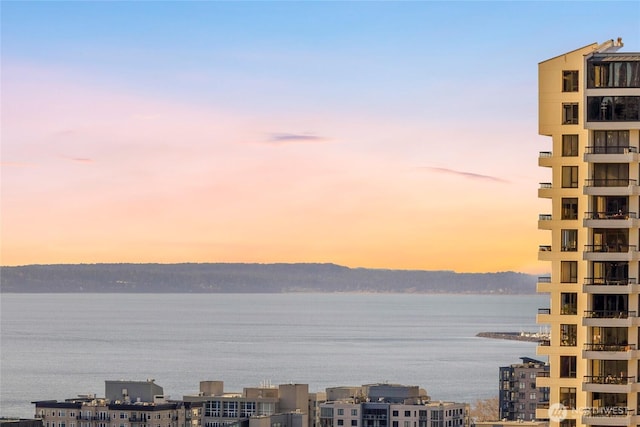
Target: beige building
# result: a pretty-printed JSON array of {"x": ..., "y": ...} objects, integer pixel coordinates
[
  {"x": 287, "y": 405},
  {"x": 589, "y": 106},
  {"x": 389, "y": 405}
]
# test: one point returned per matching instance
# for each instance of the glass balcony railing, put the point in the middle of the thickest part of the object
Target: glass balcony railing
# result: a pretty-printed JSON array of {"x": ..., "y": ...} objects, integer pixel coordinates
[
  {"x": 609, "y": 182},
  {"x": 546, "y": 154},
  {"x": 603, "y": 281},
  {"x": 610, "y": 150},
  {"x": 544, "y": 279},
  {"x": 610, "y": 215},
  {"x": 609, "y": 347},
  {"x": 609, "y": 314},
  {"x": 545, "y": 185},
  {"x": 610, "y": 248},
  {"x": 608, "y": 379}
]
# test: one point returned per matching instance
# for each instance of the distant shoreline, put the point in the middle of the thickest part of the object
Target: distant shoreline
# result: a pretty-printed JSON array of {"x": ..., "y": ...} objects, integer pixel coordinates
[
  {"x": 219, "y": 278},
  {"x": 514, "y": 336}
]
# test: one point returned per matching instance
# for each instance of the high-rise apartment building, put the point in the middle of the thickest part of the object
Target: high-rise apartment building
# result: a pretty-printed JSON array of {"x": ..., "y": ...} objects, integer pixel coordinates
[
  {"x": 589, "y": 104},
  {"x": 519, "y": 394}
]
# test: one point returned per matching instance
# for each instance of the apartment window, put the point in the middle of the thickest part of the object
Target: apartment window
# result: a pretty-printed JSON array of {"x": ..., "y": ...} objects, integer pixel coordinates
[
  {"x": 532, "y": 396},
  {"x": 522, "y": 385},
  {"x": 567, "y": 367},
  {"x": 610, "y": 141},
  {"x": 395, "y": 424},
  {"x": 407, "y": 424},
  {"x": 407, "y": 413},
  {"x": 569, "y": 302},
  {"x": 611, "y": 174},
  {"x": 354, "y": 423},
  {"x": 340, "y": 422},
  {"x": 569, "y": 145},
  {"x": 568, "y": 397},
  {"x": 568, "y": 335},
  {"x": 570, "y": 114},
  {"x": 569, "y": 208},
  {"x": 613, "y": 108},
  {"x": 569, "y": 177},
  {"x": 533, "y": 375},
  {"x": 569, "y": 272},
  {"x": 354, "y": 412},
  {"x": 395, "y": 413},
  {"x": 569, "y": 240},
  {"x": 568, "y": 423},
  {"x": 570, "y": 81},
  {"x": 340, "y": 411}
]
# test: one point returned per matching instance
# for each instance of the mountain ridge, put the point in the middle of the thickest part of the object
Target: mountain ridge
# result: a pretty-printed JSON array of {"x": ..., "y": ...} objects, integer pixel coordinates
[{"x": 251, "y": 278}]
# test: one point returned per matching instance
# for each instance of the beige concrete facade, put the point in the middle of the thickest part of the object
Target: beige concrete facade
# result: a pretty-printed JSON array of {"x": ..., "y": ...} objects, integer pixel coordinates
[{"x": 589, "y": 102}]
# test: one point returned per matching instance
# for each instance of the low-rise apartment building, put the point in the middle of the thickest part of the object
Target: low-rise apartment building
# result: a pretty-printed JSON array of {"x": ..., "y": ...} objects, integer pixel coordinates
[{"x": 389, "y": 405}]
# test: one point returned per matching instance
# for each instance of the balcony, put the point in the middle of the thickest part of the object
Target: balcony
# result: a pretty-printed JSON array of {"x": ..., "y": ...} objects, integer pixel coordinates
[
  {"x": 610, "y": 318},
  {"x": 610, "y": 187},
  {"x": 544, "y": 284},
  {"x": 545, "y": 190},
  {"x": 616, "y": 154},
  {"x": 610, "y": 252},
  {"x": 542, "y": 411},
  {"x": 544, "y": 315},
  {"x": 545, "y": 159},
  {"x": 544, "y": 253},
  {"x": 601, "y": 285},
  {"x": 610, "y": 219},
  {"x": 598, "y": 351},
  {"x": 545, "y": 222},
  {"x": 610, "y": 384}
]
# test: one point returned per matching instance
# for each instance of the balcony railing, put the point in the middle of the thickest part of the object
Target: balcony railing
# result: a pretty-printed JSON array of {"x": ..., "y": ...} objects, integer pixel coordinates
[
  {"x": 601, "y": 281},
  {"x": 543, "y": 374},
  {"x": 610, "y": 215},
  {"x": 542, "y": 405},
  {"x": 546, "y": 154},
  {"x": 608, "y": 150},
  {"x": 609, "y": 182},
  {"x": 544, "y": 279},
  {"x": 544, "y": 311},
  {"x": 609, "y": 314},
  {"x": 544, "y": 217},
  {"x": 622, "y": 248},
  {"x": 609, "y": 347},
  {"x": 608, "y": 379},
  {"x": 544, "y": 343},
  {"x": 546, "y": 185},
  {"x": 544, "y": 248}
]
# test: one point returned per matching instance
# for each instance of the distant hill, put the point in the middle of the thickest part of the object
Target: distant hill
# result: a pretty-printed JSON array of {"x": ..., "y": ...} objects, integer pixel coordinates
[{"x": 252, "y": 278}]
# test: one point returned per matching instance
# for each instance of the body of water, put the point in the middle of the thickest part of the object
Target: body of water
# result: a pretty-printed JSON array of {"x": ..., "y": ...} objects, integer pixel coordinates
[{"x": 56, "y": 346}]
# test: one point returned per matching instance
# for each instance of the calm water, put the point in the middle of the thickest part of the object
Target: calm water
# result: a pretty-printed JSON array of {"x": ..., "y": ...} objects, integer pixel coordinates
[{"x": 55, "y": 346}]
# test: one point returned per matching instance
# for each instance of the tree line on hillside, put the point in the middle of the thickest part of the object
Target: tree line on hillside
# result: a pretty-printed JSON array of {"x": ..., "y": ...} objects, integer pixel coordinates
[{"x": 253, "y": 278}]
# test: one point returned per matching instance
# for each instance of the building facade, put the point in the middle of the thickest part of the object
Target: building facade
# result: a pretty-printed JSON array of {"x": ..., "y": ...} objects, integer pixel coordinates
[
  {"x": 589, "y": 105},
  {"x": 519, "y": 395},
  {"x": 389, "y": 405}
]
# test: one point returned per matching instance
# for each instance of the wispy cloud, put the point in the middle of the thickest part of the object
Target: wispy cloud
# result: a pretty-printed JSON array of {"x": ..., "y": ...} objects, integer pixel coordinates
[
  {"x": 81, "y": 160},
  {"x": 469, "y": 175},
  {"x": 288, "y": 138}
]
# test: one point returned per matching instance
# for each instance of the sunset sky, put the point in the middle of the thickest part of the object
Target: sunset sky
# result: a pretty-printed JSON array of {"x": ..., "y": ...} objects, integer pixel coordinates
[{"x": 398, "y": 135}]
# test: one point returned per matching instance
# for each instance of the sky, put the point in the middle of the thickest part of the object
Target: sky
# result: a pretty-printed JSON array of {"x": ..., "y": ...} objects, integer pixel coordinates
[{"x": 393, "y": 135}]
